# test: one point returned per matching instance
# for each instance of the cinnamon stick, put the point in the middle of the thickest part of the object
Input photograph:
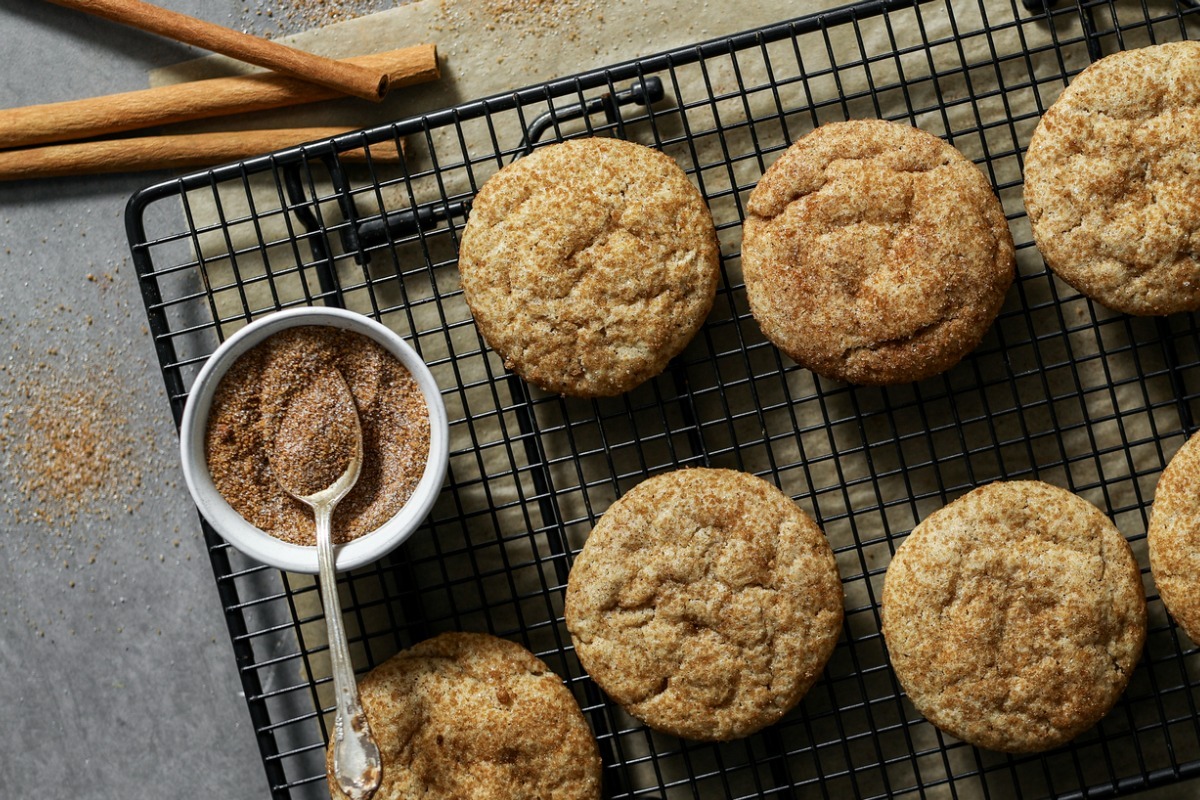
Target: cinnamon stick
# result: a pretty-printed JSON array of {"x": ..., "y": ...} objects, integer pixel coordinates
[
  {"x": 169, "y": 152},
  {"x": 185, "y": 102},
  {"x": 346, "y": 78}
]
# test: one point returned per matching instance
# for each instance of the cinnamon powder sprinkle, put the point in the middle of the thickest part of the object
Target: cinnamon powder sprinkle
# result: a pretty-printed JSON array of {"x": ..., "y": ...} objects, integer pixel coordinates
[
  {"x": 67, "y": 444},
  {"x": 252, "y": 399},
  {"x": 522, "y": 19},
  {"x": 269, "y": 18}
]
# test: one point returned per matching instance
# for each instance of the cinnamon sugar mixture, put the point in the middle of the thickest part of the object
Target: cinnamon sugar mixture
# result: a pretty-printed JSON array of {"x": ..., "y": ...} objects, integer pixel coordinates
[
  {"x": 271, "y": 384},
  {"x": 317, "y": 435}
]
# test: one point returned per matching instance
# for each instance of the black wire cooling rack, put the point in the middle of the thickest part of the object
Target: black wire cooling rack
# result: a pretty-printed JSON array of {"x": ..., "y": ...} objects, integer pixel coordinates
[{"x": 1060, "y": 389}]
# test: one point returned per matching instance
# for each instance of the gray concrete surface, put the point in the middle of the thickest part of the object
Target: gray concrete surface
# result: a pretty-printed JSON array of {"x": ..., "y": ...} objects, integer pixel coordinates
[{"x": 119, "y": 678}]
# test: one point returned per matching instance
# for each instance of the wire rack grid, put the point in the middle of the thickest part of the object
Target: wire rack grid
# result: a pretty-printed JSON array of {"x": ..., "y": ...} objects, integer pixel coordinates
[{"x": 1060, "y": 390}]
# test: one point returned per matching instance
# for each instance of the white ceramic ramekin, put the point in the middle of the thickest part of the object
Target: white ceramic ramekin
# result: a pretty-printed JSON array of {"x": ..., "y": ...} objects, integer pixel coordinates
[{"x": 260, "y": 545}]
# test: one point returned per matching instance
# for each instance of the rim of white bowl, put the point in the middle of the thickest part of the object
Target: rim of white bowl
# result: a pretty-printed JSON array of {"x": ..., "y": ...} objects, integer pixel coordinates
[{"x": 261, "y": 545}]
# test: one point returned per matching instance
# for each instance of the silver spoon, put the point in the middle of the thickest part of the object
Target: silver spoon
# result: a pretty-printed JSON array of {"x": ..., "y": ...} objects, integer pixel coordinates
[{"x": 356, "y": 764}]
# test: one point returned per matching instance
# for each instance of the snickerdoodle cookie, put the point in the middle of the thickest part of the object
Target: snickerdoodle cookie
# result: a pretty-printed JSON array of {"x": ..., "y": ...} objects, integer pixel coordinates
[
  {"x": 1112, "y": 181},
  {"x": 875, "y": 253},
  {"x": 1014, "y": 616},
  {"x": 589, "y": 264},
  {"x": 1174, "y": 537},
  {"x": 705, "y": 602},
  {"x": 471, "y": 715}
]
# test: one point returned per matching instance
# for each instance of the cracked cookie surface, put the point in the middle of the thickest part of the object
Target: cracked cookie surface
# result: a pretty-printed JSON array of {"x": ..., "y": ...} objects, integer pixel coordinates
[
  {"x": 875, "y": 253},
  {"x": 1014, "y": 616},
  {"x": 1174, "y": 537},
  {"x": 471, "y": 715},
  {"x": 705, "y": 602},
  {"x": 1112, "y": 181},
  {"x": 589, "y": 264}
]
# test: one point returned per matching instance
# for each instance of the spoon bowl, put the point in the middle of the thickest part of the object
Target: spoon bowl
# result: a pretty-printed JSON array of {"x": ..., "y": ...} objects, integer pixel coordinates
[{"x": 317, "y": 454}]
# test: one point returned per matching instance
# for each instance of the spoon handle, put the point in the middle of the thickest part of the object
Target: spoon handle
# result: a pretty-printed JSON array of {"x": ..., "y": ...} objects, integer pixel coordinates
[{"x": 355, "y": 754}]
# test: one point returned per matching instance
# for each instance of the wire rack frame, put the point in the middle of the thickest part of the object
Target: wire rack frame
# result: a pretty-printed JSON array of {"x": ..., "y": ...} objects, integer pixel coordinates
[{"x": 1060, "y": 390}]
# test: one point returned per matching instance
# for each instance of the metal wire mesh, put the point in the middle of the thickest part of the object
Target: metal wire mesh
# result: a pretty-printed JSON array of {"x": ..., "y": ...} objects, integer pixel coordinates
[{"x": 1060, "y": 390}]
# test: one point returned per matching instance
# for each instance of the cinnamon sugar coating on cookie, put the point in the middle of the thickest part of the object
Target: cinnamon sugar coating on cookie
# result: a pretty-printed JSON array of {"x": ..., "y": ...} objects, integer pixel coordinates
[
  {"x": 472, "y": 715},
  {"x": 588, "y": 265},
  {"x": 1014, "y": 616},
  {"x": 1174, "y": 537},
  {"x": 705, "y": 603},
  {"x": 875, "y": 253},
  {"x": 1112, "y": 181}
]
